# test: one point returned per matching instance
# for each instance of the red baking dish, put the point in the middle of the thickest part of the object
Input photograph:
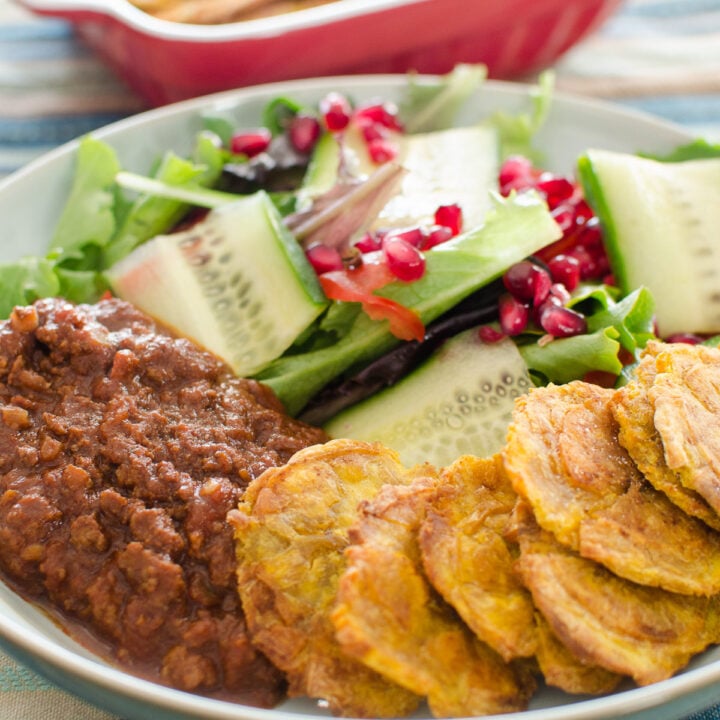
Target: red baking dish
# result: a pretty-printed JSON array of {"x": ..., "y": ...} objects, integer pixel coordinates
[{"x": 166, "y": 61}]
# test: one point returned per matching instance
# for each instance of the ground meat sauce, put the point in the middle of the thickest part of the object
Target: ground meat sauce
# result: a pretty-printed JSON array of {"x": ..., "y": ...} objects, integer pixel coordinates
[{"x": 121, "y": 451}]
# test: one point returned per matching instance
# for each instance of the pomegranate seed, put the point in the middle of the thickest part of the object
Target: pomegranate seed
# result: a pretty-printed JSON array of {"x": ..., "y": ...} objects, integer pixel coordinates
[
  {"x": 564, "y": 216},
  {"x": 558, "y": 294},
  {"x": 583, "y": 210},
  {"x": 518, "y": 279},
  {"x": 516, "y": 173},
  {"x": 382, "y": 151},
  {"x": 405, "y": 261},
  {"x": 250, "y": 142},
  {"x": 304, "y": 132},
  {"x": 687, "y": 338},
  {"x": 565, "y": 269},
  {"x": 385, "y": 114},
  {"x": 557, "y": 297},
  {"x": 450, "y": 216},
  {"x": 601, "y": 378},
  {"x": 588, "y": 265},
  {"x": 372, "y": 130},
  {"x": 436, "y": 235},
  {"x": 602, "y": 264},
  {"x": 336, "y": 111},
  {"x": 543, "y": 284},
  {"x": 514, "y": 315},
  {"x": 527, "y": 281},
  {"x": 589, "y": 233},
  {"x": 412, "y": 235},
  {"x": 367, "y": 243},
  {"x": 555, "y": 189},
  {"x": 324, "y": 259},
  {"x": 490, "y": 334},
  {"x": 562, "y": 322}
]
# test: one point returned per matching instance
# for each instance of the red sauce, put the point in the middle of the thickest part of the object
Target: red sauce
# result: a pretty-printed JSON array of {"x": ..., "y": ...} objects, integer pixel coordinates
[{"x": 121, "y": 451}]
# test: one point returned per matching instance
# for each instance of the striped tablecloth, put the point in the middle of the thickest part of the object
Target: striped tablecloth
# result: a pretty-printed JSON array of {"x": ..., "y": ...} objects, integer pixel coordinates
[{"x": 661, "y": 56}]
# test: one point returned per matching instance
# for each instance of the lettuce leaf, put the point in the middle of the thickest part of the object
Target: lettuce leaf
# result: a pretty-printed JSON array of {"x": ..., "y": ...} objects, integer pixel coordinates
[
  {"x": 88, "y": 218},
  {"x": 698, "y": 149},
  {"x": 428, "y": 107},
  {"x": 99, "y": 224},
  {"x": 613, "y": 326},
  {"x": 151, "y": 214},
  {"x": 632, "y": 316},
  {"x": 517, "y": 130},
  {"x": 567, "y": 359},
  {"x": 24, "y": 281}
]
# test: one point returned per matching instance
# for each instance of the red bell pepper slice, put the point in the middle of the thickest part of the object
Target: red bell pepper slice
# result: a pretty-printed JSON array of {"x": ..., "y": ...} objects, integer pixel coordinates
[{"x": 358, "y": 285}]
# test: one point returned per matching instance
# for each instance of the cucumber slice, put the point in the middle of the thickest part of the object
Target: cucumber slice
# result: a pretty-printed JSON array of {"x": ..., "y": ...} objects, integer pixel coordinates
[
  {"x": 322, "y": 171},
  {"x": 458, "y": 165},
  {"x": 661, "y": 231},
  {"x": 236, "y": 283},
  {"x": 458, "y": 402}
]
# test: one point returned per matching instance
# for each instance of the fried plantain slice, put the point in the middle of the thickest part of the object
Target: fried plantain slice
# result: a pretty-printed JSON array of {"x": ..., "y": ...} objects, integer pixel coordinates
[
  {"x": 467, "y": 559},
  {"x": 291, "y": 530},
  {"x": 634, "y": 414},
  {"x": 564, "y": 458},
  {"x": 563, "y": 670},
  {"x": 685, "y": 395},
  {"x": 389, "y": 617},
  {"x": 646, "y": 633}
]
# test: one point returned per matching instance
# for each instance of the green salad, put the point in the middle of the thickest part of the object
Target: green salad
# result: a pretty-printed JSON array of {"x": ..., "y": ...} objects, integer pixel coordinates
[{"x": 387, "y": 273}]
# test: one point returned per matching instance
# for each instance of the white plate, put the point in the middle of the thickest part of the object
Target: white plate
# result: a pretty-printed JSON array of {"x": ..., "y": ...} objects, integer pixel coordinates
[{"x": 30, "y": 202}]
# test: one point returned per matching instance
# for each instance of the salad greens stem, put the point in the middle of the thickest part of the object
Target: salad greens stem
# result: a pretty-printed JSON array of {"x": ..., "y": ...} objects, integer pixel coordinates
[{"x": 188, "y": 193}]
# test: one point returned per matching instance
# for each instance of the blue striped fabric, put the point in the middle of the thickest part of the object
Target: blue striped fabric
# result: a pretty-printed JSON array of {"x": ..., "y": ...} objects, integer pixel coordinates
[
  {"x": 660, "y": 56},
  {"x": 52, "y": 88},
  {"x": 687, "y": 11},
  {"x": 699, "y": 112}
]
